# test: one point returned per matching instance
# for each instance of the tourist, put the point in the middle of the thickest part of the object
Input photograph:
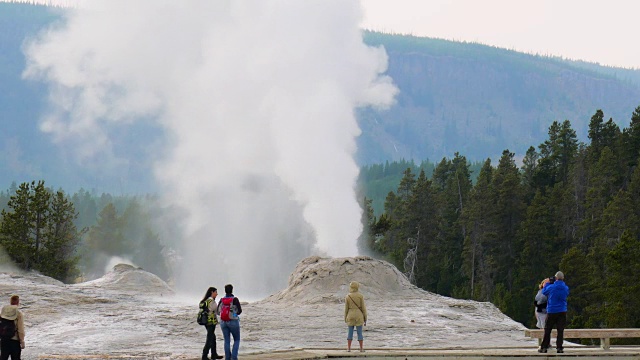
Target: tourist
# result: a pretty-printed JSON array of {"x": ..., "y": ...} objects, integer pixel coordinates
[
  {"x": 355, "y": 314},
  {"x": 540, "y": 303},
  {"x": 556, "y": 292},
  {"x": 12, "y": 346},
  {"x": 229, "y": 309},
  {"x": 212, "y": 321}
]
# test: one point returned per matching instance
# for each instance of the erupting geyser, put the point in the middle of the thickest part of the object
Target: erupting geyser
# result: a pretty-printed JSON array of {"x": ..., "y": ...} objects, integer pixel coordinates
[{"x": 256, "y": 101}]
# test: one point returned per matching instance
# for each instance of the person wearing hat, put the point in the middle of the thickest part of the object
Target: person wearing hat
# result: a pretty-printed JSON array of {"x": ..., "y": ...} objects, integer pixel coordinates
[
  {"x": 556, "y": 292},
  {"x": 355, "y": 314},
  {"x": 13, "y": 347}
]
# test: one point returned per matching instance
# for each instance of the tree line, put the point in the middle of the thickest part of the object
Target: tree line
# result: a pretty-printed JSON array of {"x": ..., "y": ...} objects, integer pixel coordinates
[
  {"x": 73, "y": 238},
  {"x": 570, "y": 206}
]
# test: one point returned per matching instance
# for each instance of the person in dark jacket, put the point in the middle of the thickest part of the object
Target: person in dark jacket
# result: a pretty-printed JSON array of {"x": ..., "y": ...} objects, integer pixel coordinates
[
  {"x": 230, "y": 327},
  {"x": 556, "y": 292}
]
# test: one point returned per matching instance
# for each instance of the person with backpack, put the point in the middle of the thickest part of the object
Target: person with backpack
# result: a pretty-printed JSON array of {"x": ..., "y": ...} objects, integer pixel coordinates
[
  {"x": 230, "y": 309},
  {"x": 355, "y": 314},
  {"x": 209, "y": 308},
  {"x": 12, "y": 329}
]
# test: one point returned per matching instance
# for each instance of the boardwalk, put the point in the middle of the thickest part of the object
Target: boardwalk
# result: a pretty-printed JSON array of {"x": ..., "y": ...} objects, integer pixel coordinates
[{"x": 583, "y": 352}]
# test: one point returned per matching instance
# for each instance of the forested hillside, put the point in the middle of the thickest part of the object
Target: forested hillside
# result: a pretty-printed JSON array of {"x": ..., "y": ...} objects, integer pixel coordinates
[
  {"x": 571, "y": 206},
  {"x": 454, "y": 97},
  {"x": 479, "y": 100}
]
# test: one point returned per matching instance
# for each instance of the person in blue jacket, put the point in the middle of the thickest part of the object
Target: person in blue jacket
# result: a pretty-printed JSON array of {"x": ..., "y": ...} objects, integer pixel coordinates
[{"x": 556, "y": 292}]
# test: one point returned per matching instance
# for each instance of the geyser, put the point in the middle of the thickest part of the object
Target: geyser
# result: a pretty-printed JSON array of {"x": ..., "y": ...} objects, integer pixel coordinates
[{"x": 256, "y": 99}]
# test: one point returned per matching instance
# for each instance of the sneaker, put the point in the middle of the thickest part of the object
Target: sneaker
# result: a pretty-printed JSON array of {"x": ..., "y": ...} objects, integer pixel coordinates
[
  {"x": 542, "y": 350},
  {"x": 218, "y": 357},
  {"x": 560, "y": 351}
]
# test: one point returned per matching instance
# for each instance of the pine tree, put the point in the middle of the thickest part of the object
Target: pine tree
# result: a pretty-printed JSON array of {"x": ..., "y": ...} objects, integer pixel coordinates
[
  {"x": 479, "y": 219},
  {"x": 622, "y": 295},
  {"x": 509, "y": 211},
  {"x": 38, "y": 233}
]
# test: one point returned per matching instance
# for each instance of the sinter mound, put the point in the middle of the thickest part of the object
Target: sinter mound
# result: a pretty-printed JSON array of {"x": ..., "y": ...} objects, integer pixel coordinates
[
  {"x": 317, "y": 279},
  {"x": 130, "y": 279}
]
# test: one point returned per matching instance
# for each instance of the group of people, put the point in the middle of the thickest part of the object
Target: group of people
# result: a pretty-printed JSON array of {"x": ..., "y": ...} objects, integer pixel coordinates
[
  {"x": 230, "y": 325},
  {"x": 355, "y": 315},
  {"x": 551, "y": 310}
]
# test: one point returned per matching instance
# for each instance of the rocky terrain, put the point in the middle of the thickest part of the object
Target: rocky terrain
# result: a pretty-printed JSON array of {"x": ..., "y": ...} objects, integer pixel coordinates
[{"x": 132, "y": 312}]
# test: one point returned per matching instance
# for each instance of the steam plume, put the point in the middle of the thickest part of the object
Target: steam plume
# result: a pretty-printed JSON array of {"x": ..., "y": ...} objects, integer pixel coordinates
[{"x": 256, "y": 100}]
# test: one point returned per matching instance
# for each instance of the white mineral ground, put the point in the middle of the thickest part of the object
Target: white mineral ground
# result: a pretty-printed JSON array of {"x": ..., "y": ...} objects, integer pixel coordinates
[{"x": 132, "y": 312}]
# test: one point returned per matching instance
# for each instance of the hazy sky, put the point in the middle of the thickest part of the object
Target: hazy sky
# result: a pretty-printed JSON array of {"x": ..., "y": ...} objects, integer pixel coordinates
[
  {"x": 598, "y": 31},
  {"x": 605, "y": 32}
]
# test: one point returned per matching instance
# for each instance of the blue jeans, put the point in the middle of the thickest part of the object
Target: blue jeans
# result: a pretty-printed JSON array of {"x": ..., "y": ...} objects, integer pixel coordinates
[
  {"x": 350, "y": 333},
  {"x": 231, "y": 328}
]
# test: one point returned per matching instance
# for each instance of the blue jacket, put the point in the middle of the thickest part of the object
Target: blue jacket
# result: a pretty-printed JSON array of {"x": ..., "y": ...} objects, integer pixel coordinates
[{"x": 556, "y": 294}]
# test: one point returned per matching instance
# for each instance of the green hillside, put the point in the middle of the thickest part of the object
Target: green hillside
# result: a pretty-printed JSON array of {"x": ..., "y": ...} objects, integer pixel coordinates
[{"x": 479, "y": 100}]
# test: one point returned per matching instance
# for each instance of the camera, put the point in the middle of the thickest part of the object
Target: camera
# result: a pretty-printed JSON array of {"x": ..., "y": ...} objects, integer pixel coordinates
[{"x": 552, "y": 279}]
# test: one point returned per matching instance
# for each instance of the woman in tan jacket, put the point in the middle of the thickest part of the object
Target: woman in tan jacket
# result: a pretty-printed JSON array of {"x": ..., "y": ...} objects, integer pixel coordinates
[{"x": 355, "y": 313}]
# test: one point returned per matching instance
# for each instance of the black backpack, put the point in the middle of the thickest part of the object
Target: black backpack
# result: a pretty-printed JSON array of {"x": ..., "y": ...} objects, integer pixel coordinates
[
  {"x": 203, "y": 314},
  {"x": 7, "y": 328}
]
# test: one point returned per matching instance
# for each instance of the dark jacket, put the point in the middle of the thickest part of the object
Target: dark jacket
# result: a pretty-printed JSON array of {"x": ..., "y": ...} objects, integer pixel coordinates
[{"x": 556, "y": 294}]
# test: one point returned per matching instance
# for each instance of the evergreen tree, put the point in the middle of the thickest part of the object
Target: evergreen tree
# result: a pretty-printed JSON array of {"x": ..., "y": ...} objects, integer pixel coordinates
[
  {"x": 584, "y": 300},
  {"x": 105, "y": 240},
  {"x": 479, "y": 219},
  {"x": 38, "y": 233},
  {"x": 62, "y": 239},
  {"x": 602, "y": 135},
  {"x": 509, "y": 211},
  {"x": 422, "y": 228},
  {"x": 622, "y": 297},
  {"x": 366, "y": 240}
]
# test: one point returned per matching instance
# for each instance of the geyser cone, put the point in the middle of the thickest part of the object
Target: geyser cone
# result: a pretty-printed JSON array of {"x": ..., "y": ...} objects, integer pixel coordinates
[{"x": 317, "y": 279}]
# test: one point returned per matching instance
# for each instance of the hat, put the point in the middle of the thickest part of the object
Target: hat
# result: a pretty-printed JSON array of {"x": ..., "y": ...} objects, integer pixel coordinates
[
  {"x": 354, "y": 286},
  {"x": 9, "y": 312},
  {"x": 559, "y": 275}
]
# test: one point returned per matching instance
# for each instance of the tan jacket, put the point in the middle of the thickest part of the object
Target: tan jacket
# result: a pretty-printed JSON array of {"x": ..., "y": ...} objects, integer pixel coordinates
[
  {"x": 10, "y": 311},
  {"x": 355, "y": 311}
]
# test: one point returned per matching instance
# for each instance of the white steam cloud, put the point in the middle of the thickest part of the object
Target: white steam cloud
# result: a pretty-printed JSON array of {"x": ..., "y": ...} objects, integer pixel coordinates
[{"x": 256, "y": 99}]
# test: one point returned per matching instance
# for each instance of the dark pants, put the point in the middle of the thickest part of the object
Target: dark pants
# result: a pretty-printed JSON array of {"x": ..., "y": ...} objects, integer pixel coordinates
[
  {"x": 210, "y": 344},
  {"x": 559, "y": 320},
  {"x": 10, "y": 348}
]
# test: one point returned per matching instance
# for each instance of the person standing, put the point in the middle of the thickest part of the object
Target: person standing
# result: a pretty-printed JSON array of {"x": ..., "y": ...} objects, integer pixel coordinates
[
  {"x": 212, "y": 321},
  {"x": 540, "y": 303},
  {"x": 355, "y": 314},
  {"x": 556, "y": 292},
  {"x": 229, "y": 309},
  {"x": 13, "y": 346}
]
